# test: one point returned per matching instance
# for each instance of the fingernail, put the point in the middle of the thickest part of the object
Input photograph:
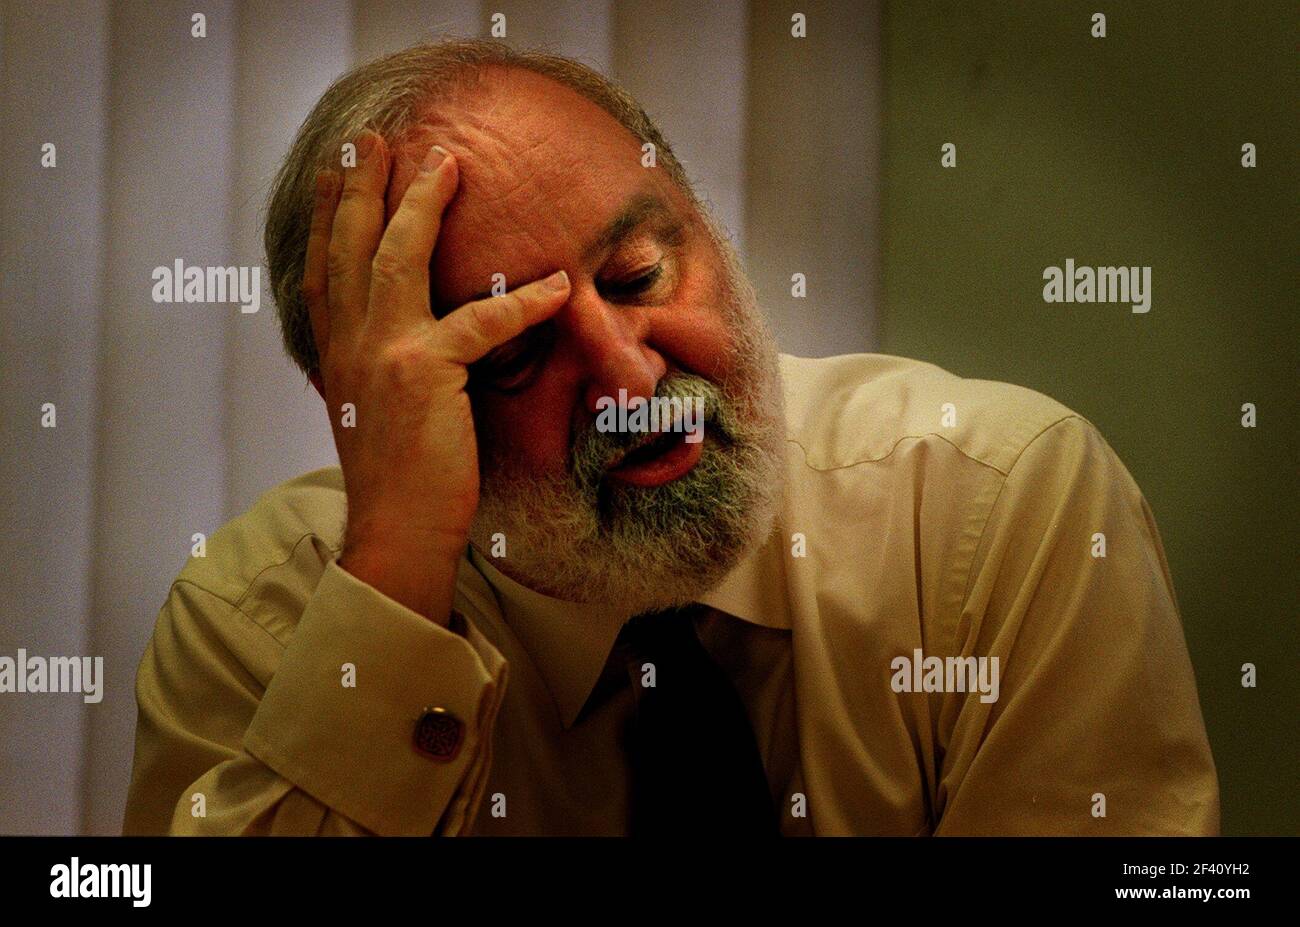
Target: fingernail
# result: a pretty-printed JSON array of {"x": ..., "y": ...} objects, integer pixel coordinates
[
  {"x": 434, "y": 157},
  {"x": 365, "y": 144},
  {"x": 557, "y": 281}
]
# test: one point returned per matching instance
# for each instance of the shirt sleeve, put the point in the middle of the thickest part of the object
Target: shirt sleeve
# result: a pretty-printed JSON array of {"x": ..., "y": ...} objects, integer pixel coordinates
[
  {"x": 1096, "y": 728},
  {"x": 241, "y": 734}
]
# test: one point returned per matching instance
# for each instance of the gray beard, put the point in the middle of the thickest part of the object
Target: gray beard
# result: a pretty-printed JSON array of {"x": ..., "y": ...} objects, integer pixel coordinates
[{"x": 581, "y": 537}]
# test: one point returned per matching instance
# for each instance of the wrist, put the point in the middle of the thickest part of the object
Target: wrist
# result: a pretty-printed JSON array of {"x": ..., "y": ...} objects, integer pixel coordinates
[{"x": 423, "y": 582}]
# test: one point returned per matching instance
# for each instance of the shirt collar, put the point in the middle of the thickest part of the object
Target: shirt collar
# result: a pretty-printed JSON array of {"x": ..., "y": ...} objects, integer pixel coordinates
[
  {"x": 755, "y": 589},
  {"x": 569, "y": 642}
]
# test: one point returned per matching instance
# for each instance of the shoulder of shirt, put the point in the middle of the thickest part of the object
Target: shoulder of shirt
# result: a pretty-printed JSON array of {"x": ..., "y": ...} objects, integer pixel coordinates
[
  {"x": 276, "y": 551},
  {"x": 857, "y": 408}
]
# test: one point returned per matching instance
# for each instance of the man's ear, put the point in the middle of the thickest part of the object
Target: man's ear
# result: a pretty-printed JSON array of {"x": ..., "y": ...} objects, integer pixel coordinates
[{"x": 318, "y": 383}]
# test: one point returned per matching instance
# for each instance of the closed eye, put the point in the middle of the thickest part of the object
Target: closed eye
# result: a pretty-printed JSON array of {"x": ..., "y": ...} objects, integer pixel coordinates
[
  {"x": 514, "y": 366},
  {"x": 623, "y": 289}
]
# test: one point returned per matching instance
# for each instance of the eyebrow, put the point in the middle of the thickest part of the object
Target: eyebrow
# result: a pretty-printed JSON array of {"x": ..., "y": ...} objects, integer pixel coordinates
[
  {"x": 639, "y": 210},
  {"x": 636, "y": 212}
]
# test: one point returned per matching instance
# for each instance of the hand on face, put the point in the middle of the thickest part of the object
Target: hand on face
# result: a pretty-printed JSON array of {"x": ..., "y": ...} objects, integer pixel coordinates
[{"x": 394, "y": 377}]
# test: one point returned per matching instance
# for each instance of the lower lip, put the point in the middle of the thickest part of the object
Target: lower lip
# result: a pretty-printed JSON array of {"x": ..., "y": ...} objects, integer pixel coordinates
[{"x": 673, "y": 463}]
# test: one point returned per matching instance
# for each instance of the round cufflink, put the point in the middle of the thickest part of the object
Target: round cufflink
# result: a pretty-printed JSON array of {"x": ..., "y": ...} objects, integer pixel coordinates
[{"x": 438, "y": 734}]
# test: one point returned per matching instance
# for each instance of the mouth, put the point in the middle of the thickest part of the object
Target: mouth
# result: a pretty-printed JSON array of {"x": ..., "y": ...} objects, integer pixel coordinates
[{"x": 657, "y": 459}]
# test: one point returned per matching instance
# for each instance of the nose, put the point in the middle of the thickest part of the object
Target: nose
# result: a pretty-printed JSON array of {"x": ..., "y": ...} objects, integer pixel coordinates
[{"x": 610, "y": 344}]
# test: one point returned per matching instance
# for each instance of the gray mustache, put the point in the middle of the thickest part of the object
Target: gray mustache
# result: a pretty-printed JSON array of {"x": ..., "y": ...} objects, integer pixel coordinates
[{"x": 592, "y": 447}]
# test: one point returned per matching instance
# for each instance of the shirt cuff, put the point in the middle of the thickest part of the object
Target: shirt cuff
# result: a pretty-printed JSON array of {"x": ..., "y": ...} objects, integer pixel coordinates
[{"x": 348, "y": 739}]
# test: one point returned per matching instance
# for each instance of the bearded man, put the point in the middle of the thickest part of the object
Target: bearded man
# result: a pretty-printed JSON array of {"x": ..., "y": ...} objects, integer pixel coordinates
[{"x": 869, "y": 601}]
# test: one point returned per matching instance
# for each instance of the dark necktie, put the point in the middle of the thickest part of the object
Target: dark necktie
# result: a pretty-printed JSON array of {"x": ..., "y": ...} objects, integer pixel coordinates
[{"x": 696, "y": 768}]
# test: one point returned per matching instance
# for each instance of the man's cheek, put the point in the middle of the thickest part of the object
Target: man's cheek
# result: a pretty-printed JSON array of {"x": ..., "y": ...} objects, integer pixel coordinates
[{"x": 492, "y": 427}]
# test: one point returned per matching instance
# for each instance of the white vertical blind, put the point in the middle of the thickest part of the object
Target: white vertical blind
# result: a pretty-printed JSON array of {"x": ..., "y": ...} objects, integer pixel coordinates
[
  {"x": 382, "y": 26},
  {"x": 281, "y": 70},
  {"x": 50, "y": 275},
  {"x": 575, "y": 28},
  {"x": 160, "y": 463},
  {"x": 813, "y": 160},
  {"x": 696, "y": 92}
]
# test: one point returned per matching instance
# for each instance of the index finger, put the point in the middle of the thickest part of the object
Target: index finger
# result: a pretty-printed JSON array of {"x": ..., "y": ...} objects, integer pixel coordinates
[{"x": 476, "y": 328}]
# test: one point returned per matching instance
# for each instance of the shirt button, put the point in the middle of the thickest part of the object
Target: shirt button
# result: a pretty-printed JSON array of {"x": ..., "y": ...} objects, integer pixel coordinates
[{"x": 438, "y": 734}]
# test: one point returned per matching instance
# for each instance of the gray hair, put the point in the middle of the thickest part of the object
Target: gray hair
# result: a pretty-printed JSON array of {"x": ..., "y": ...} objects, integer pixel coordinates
[{"x": 388, "y": 96}]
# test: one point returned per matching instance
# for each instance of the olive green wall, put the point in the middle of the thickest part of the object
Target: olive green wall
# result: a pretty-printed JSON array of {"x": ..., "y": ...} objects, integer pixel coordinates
[{"x": 1126, "y": 150}]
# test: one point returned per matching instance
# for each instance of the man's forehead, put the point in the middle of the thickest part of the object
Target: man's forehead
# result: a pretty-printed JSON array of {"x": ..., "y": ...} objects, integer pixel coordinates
[{"x": 543, "y": 171}]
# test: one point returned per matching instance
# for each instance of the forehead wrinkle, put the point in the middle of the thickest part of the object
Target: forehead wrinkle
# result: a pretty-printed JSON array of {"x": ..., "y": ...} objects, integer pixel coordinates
[
  {"x": 523, "y": 175},
  {"x": 536, "y": 139},
  {"x": 499, "y": 170},
  {"x": 529, "y": 176}
]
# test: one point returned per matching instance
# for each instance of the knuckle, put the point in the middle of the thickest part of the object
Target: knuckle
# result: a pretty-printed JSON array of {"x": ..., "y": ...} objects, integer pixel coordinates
[
  {"x": 488, "y": 317},
  {"x": 405, "y": 361},
  {"x": 338, "y": 263},
  {"x": 455, "y": 336},
  {"x": 427, "y": 194},
  {"x": 419, "y": 193},
  {"x": 353, "y": 191},
  {"x": 512, "y": 309},
  {"x": 388, "y": 268},
  {"x": 312, "y": 290}
]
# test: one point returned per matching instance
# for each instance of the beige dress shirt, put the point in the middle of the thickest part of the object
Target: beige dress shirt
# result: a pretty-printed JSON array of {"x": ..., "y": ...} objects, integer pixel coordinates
[{"x": 923, "y": 512}]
